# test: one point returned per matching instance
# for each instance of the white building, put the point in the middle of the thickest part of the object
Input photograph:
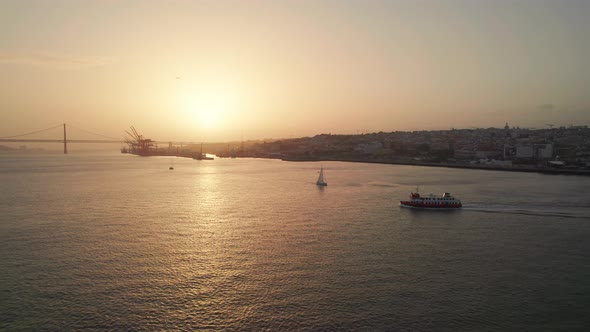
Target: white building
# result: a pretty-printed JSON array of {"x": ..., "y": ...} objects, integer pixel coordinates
[
  {"x": 543, "y": 151},
  {"x": 524, "y": 151},
  {"x": 534, "y": 151}
]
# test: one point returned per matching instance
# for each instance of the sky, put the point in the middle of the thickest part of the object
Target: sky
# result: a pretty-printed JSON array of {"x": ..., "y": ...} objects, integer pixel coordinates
[{"x": 232, "y": 70}]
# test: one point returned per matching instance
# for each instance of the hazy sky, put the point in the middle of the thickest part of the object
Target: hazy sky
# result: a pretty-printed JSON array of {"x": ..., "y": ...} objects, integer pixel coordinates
[{"x": 212, "y": 70}]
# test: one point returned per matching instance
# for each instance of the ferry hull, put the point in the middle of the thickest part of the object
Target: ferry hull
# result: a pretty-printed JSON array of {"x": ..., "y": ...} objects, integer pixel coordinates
[{"x": 421, "y": 205}]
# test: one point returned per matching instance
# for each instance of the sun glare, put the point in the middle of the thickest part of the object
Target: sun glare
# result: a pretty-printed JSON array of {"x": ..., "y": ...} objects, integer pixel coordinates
[{"x": 208, "y": 111}]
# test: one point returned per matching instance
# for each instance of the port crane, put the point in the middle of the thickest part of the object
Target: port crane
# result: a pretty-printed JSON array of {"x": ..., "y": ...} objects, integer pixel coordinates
[{"x": 136, "y": 142}]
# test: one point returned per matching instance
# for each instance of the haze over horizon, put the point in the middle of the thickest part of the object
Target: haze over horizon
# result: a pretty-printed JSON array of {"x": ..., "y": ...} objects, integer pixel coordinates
[{"x": 227, "y": 70}]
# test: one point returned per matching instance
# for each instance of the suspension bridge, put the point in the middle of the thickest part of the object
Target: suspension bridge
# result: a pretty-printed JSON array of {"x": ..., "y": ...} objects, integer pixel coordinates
[{"x": 27, "y": 137}]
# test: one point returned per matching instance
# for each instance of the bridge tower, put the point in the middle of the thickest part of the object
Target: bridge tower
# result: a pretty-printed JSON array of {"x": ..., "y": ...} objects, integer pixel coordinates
[{"x": 65, "y": 141}]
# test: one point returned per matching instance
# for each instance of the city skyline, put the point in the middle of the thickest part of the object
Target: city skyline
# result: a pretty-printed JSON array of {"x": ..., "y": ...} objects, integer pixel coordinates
[{"x": 223, "y": 71}]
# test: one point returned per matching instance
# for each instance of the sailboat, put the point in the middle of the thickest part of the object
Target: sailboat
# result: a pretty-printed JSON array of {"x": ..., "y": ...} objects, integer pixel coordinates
[{"x": 321, "y": 181}]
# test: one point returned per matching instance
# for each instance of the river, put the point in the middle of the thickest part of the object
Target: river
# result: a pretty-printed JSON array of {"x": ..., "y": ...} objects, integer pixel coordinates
[{"x": 120, "y": 242}]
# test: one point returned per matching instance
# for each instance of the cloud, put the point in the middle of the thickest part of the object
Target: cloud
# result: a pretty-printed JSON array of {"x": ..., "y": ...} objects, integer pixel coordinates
[{"x": 53, "y": 60}]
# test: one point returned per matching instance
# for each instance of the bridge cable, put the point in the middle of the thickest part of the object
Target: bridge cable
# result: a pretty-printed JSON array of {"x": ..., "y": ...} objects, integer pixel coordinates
[
  {"x": 89, "y": 132},
  {"x": 33, "y": 132}
]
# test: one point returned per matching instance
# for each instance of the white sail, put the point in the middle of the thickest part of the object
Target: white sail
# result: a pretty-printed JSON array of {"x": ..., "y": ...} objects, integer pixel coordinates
[{"x": 321, "y": 181}]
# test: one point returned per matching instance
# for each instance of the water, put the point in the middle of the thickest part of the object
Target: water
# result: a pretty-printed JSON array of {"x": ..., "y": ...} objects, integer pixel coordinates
[{"x": 119, "y": 242}]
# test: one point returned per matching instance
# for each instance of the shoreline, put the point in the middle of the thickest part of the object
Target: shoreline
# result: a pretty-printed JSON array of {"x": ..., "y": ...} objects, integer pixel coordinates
[{"x": 525, "y": 169}]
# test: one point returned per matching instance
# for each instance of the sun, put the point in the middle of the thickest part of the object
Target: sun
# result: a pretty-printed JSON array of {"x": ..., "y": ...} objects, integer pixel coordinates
[
  {"x": 207, "y": 108},
  {"x": 210, "y": 109},
  {"x": 207, "y": 118}
]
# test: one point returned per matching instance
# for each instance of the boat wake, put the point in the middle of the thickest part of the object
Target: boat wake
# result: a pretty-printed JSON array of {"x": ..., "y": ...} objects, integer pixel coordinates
[
  {"x": 582, "y": 213},
  {"x": 382, "y": 184}
]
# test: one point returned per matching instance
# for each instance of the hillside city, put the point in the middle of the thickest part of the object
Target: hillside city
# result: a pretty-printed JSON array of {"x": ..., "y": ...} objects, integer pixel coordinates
[{"x": 561, "y": 147}]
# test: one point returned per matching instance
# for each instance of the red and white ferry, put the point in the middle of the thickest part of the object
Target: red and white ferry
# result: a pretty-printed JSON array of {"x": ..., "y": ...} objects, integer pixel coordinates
[{"x": 446, "y": 201}]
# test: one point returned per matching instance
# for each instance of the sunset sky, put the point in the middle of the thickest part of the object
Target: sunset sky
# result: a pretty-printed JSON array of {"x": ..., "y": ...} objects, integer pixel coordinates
[{"x": 217, "y": 70}]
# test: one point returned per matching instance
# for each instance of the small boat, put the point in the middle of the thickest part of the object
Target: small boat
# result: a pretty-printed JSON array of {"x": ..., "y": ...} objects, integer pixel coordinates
[
  {"x": 446, "y": 201},
  {"x": 320, "y": 181},
  {"x": 201, "y": 155}
]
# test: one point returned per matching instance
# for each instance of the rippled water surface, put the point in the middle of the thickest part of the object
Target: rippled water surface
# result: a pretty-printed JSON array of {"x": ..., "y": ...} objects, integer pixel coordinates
[{"x": 119, "y": 242}]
